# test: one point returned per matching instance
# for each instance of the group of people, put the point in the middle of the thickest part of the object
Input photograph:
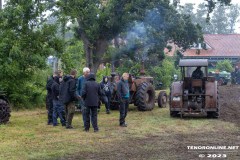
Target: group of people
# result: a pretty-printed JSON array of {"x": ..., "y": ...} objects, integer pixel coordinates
[{"x": 63, "y": 92}]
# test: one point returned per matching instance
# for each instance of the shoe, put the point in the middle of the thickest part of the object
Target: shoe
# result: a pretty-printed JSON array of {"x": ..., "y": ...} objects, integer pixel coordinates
[
  {"x": 123, "y": 125},
  {"x": 96, "y": 130},
  {"x": 108, "y": 112},
  {"x": 69, "y": 127},
  {"x": 54, "y": 125},
  {"x": 63, "y": 125},
  {"x": 86, "y": 130}
]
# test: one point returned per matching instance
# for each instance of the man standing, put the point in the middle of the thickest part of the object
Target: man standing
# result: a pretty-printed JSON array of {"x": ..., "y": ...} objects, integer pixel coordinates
[
  {"x": 49, "y": 100},
  {"x": 80, "y": 84},
  {"x": 91, "y": 93},
  {"x": 58, "y": 106},
  {"x": 123, "y": 96},
  {"x": 106, "y": 89},
  {"x": 68, "y": 96}
]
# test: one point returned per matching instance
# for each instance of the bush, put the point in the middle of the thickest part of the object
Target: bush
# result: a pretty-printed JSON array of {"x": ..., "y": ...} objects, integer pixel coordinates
[
  {"x": 164, "y": 73},
  {"x": 225, "y": 65},
  {"x": 103, "y": 72},
  {"x": 73, "y": 57}
]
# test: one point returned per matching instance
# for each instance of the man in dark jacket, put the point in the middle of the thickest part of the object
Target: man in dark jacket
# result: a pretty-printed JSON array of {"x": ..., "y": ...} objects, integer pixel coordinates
[
  {"x": 68, "y": 96},
  {"x": 123, "y": 96},
  {"x": 58, "y": 106},
  {"x": 49, "y": 100},
  {"x": 107, "y": 90},
  {"x": 91, "y": 93},
  {"x": 197, "y": 73}
]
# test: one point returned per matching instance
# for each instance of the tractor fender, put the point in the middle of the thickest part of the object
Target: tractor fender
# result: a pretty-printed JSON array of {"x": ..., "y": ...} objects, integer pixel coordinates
[
  {"x": 176, "y": 91},
  {"x": 211, "y": 94}
]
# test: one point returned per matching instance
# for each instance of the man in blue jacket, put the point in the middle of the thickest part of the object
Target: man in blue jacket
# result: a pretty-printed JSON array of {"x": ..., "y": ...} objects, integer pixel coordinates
[
  {"x": 80, "y": 84},
  {"x": 123, "y": 96}
]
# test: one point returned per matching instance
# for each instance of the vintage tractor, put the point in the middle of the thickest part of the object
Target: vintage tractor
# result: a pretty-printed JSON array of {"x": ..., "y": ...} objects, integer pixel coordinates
[
  {"x": 194, "y": 95},
  {"x": 4, "y": 109},
  {"x": 142, "y": 93}
]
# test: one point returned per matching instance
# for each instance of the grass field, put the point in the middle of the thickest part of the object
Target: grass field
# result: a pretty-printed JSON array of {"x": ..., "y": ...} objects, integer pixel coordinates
[{"x": 149, "y": 135}]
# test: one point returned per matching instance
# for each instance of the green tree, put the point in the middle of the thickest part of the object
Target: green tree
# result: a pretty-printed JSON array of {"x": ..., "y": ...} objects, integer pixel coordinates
[
  {"x": 101, "y": 21},
  {"x": 25, "y": 44},
  {"x": 233, "y": 17},
  {"x": 164, "y": 72},
  {"x": 73, "y": 57},
  {"x": 225, "y": 65},
  {"x": 219, "y": 20},
  {"x": 222, "y": 20}
]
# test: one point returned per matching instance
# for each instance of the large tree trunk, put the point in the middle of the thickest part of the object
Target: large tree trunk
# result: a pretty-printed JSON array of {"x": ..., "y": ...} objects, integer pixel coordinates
[{"x": 94, "y": 52}]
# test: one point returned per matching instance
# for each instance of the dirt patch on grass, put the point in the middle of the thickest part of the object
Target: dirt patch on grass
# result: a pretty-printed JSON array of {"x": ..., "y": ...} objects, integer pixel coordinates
[
  {"x": 229, "y": 101},
  {"x": 173, "y": 145}
]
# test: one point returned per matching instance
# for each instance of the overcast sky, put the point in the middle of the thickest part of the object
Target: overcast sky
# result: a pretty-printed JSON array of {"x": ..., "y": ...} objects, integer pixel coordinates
[
  {"x": 200, "y": 1},
  {"x": 237, "y": 27}
]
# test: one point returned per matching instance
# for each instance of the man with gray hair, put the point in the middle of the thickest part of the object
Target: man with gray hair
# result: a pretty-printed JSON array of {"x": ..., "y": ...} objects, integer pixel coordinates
[{"x": 80, "y": 84}]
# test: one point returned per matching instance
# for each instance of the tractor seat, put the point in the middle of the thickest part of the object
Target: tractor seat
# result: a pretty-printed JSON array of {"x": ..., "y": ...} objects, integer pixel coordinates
[{"x": 197, "y": 83}]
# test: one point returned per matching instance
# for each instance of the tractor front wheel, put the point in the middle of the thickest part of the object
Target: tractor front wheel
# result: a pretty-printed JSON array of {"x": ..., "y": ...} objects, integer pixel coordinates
[
  {"x": 162, "y": 99},
  {"x": 4, "y": 112}
]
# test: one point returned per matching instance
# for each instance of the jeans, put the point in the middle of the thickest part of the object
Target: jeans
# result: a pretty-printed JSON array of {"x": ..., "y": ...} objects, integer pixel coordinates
[
  {"x": 58, "y": 108},
  {"x": 123, "y": 110},
  {"x": 83, "y": 110},
  {"x": 91, "y": 111},
  {"x": 69, "y": 109}
]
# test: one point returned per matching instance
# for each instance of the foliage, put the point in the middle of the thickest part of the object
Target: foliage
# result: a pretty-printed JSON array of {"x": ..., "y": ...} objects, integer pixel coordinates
[
  {"x": 225, "y": 65},
  {"x": 25, "y": 44},
  {"x": 129, "y": 66},
  {"x": 106, "y": 71},
  {"x": 164, "y": 72},
  {"x": 101, "y": 21},
  {"x": 73, "y": 57}
]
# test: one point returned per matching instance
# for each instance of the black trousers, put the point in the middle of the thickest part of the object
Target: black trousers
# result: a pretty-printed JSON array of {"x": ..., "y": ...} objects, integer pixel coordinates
[
  {"x": 91, "y": 111},
  {"x": 49, "y": 104},
  {"x": 107, "y": 105},
  {"x": 123, "y": 110}
]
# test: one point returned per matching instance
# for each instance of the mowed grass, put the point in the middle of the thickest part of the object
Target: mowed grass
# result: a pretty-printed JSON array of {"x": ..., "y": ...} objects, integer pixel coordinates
[{"x": 28, "y": 137}]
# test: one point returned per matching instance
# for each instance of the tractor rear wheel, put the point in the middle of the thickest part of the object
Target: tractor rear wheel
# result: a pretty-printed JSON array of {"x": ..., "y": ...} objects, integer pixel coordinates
[
  {"x": 4, "y": 112},
  {"x": 145, "y": 97},
  {"x": 162, "y": 99}
]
